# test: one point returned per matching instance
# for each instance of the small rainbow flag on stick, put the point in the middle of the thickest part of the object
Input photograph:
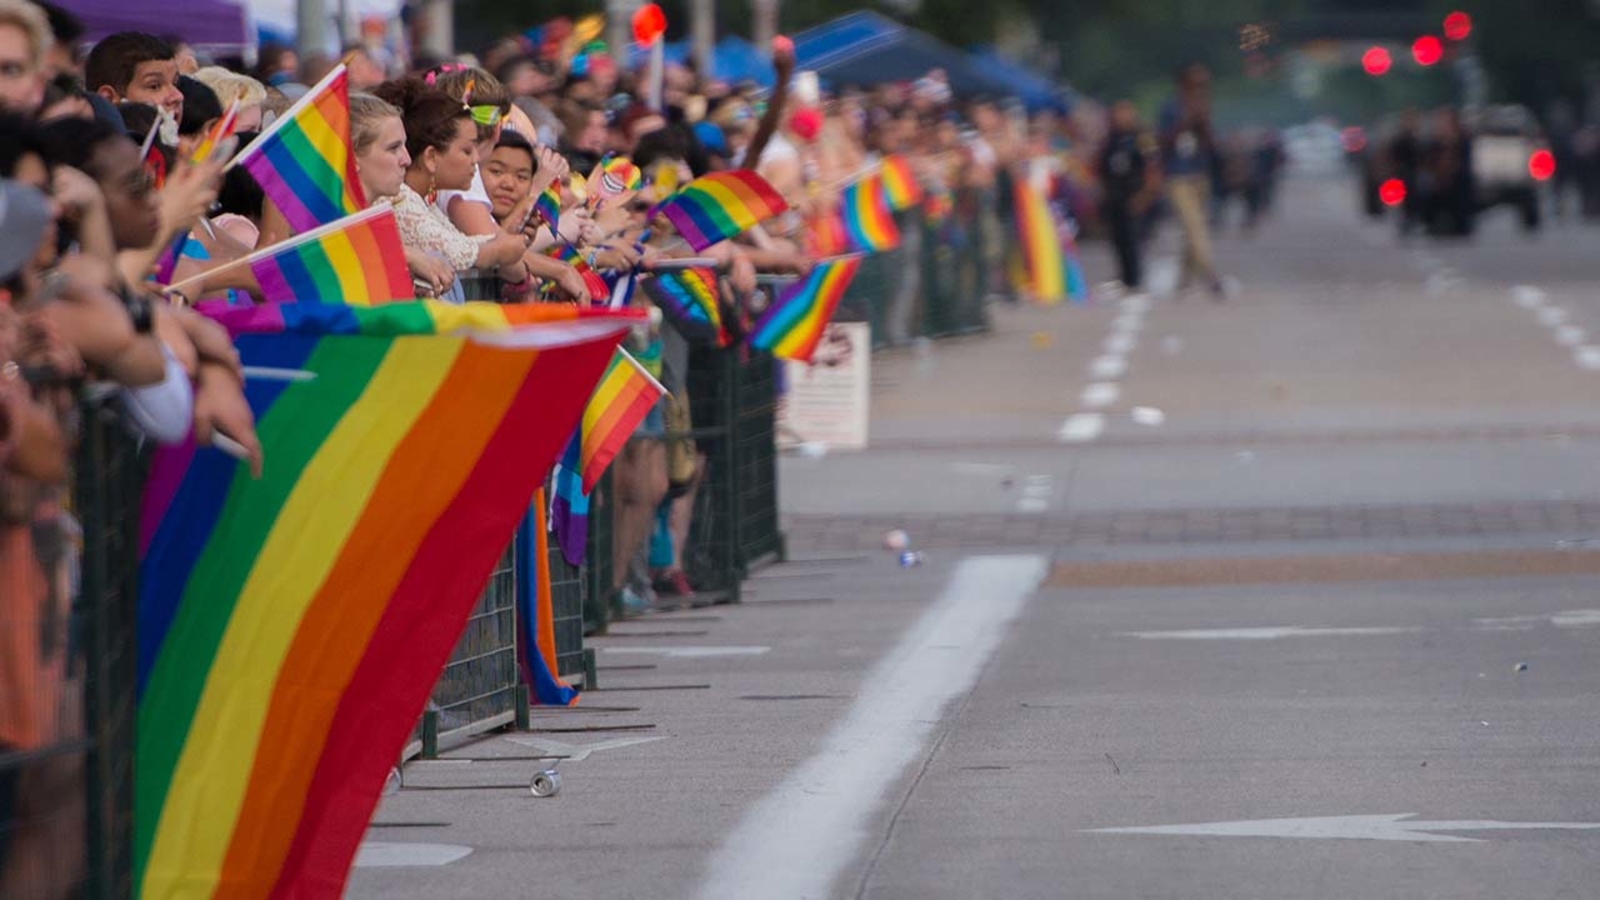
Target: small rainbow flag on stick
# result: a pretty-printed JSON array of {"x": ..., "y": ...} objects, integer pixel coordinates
[
  {"x": 717, "y": 207},
  {"x": 304, "y": 161},
  {"x": 900, "y": 187},
  {"x": 290, "y": 627},
  {"x": 620, "y": 402},
  {"x": 547, "y": 206},
  {"x": 792, "y": 326},
  {"x": 219, "y": 132},
  {"x": 357, "y": 260},
  {"x": 866, "y": 216},
  {"x": 689, "y": 299}
]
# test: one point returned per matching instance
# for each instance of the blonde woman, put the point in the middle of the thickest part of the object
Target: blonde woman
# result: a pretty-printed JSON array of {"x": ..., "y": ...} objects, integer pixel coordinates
[{"x": 227, "y": 85}]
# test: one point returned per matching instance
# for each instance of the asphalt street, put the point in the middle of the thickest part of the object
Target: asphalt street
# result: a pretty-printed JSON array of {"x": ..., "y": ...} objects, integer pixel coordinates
[{"x": 1292, "y": 595}]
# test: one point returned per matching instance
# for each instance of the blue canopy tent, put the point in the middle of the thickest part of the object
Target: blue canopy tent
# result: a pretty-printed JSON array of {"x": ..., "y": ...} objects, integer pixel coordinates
[
  {"x": 1035, "y": 90},
  {"x": 733, "y": 60},
  {"x": 864, "y": 48}
]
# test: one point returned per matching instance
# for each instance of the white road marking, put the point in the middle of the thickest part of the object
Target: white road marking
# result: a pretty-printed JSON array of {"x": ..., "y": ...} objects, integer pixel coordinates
[
  {"x": 1080, "y": 428},
  {"x": 1552, "y": 316},
  {"x": 689, "y": 652},
  {"x": 1121, "y": 342},
  {"x": 1587, "y": 357},
  {"x": 1107, "y": 367},
  {"x": 1578, "y": 618},
  {"x": 1136, "y": 303},
  {"x": 1100, "y": 394},
  {"x": 1036, "y": 494},
  {"x": 1527, "y": 296},
  {"x": 1259, "y": 634},
  {"x": 1148, "y": 416},
  {"x": 1571, "y": 335},
  {"x": 570, "y": 753},
  {"x": 1394, "y": 827},
  {"x": 388, "y": 855},
  {"x": 796, "y": 840}
]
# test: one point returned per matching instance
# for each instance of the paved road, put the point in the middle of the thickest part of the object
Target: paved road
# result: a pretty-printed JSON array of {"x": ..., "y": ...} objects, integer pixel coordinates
[{"x": 1291, "y": 596}]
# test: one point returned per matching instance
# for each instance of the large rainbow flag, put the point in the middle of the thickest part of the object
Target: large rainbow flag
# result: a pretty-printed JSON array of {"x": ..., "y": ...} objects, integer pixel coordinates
[
  {"x": 867, "y": 219},
  {"x": 304, "y": 161},
  {"x": 357, "y": 260},
  {"x": 720, "y": 206},
  {"x": 793, "y": 324},
  {"x": 290, "y": 627}
]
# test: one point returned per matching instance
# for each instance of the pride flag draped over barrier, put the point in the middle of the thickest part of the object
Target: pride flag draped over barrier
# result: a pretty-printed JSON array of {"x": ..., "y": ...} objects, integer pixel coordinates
[
  {"x": 720, "y": 206},
  {"x": 291, "y": 627},
  {"x": 1053, "y": 271},
  {"x": 303, "y": 160},
  {"x": 357, "y": 260},
  {"x": 792, "y": 326}
]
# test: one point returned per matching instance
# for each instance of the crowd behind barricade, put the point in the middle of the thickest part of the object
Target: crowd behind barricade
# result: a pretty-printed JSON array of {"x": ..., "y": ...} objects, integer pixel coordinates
[{"x": 122, "y": 223}]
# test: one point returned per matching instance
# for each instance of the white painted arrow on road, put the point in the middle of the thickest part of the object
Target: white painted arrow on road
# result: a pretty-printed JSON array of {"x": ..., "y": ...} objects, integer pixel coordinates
[{"x": 1396, "y": 827}]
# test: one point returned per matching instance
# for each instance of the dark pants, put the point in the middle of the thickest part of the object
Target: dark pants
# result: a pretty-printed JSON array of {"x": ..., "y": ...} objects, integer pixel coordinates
[{"x": 1124, "y": 225}]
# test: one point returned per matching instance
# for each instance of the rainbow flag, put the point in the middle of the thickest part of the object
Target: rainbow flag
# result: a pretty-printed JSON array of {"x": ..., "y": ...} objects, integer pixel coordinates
[
  {"x": 620, "y": 402},
  {"x": 569, "y": 507},
  {"x": 688, "y": 297},
  {"x": 547, "y": 206},
  {"x": 219, "y": 132},
  {"x": 825, "y": 235},
  {"x": 900, "y": 187},
  {"x": 536, "y": 644},
  {"x": 720, "y": 206},
  {"x": 290, "y": 627},
  {"x": 357, "y": 260},
  {"x": 793, "y": 324},
  {"x": 1046, "y": 270},
  {"x": 303, "y": 160},
  {"x": 867, "y": 220},
  {"x": 599, "y": 291}
]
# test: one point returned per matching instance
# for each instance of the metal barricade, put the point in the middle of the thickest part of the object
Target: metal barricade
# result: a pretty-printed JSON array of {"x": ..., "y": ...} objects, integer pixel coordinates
[
  {"x": 756, "y": 461},
  {"x": 67, "y": 699},
  {"x": 479, "y": 690}
]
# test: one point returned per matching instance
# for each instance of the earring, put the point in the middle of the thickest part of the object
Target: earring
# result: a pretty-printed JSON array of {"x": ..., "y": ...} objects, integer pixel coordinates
[{"x": 433, "y": 191}]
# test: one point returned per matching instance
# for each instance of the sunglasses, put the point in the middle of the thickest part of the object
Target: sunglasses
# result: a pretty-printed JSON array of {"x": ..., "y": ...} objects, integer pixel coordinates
[{"x": 487, "y": 116}]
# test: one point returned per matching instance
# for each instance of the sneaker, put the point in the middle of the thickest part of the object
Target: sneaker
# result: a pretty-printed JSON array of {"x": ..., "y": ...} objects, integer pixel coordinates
[
  {"x": 673, "y": 583},
  {"x": 631, "y": 603}
]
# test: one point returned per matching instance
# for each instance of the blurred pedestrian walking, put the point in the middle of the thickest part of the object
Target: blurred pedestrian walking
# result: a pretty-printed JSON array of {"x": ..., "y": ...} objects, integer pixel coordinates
[
  {"x": 1130, "y": 173},
  {"x": 1187, "y": 150}
]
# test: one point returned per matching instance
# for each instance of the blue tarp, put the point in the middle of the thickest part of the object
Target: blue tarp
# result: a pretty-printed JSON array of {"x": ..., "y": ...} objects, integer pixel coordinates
[{"x": 864, "y": 48}]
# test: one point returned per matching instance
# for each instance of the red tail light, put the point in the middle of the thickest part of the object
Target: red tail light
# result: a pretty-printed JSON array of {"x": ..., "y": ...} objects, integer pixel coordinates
[
  {"x": 1392, "y": 192},
  {"x": 1542, "y": 165}
]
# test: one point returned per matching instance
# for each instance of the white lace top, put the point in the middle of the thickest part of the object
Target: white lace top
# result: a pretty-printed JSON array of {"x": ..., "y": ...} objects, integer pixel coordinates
[{"x": 423, "y": 227}]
